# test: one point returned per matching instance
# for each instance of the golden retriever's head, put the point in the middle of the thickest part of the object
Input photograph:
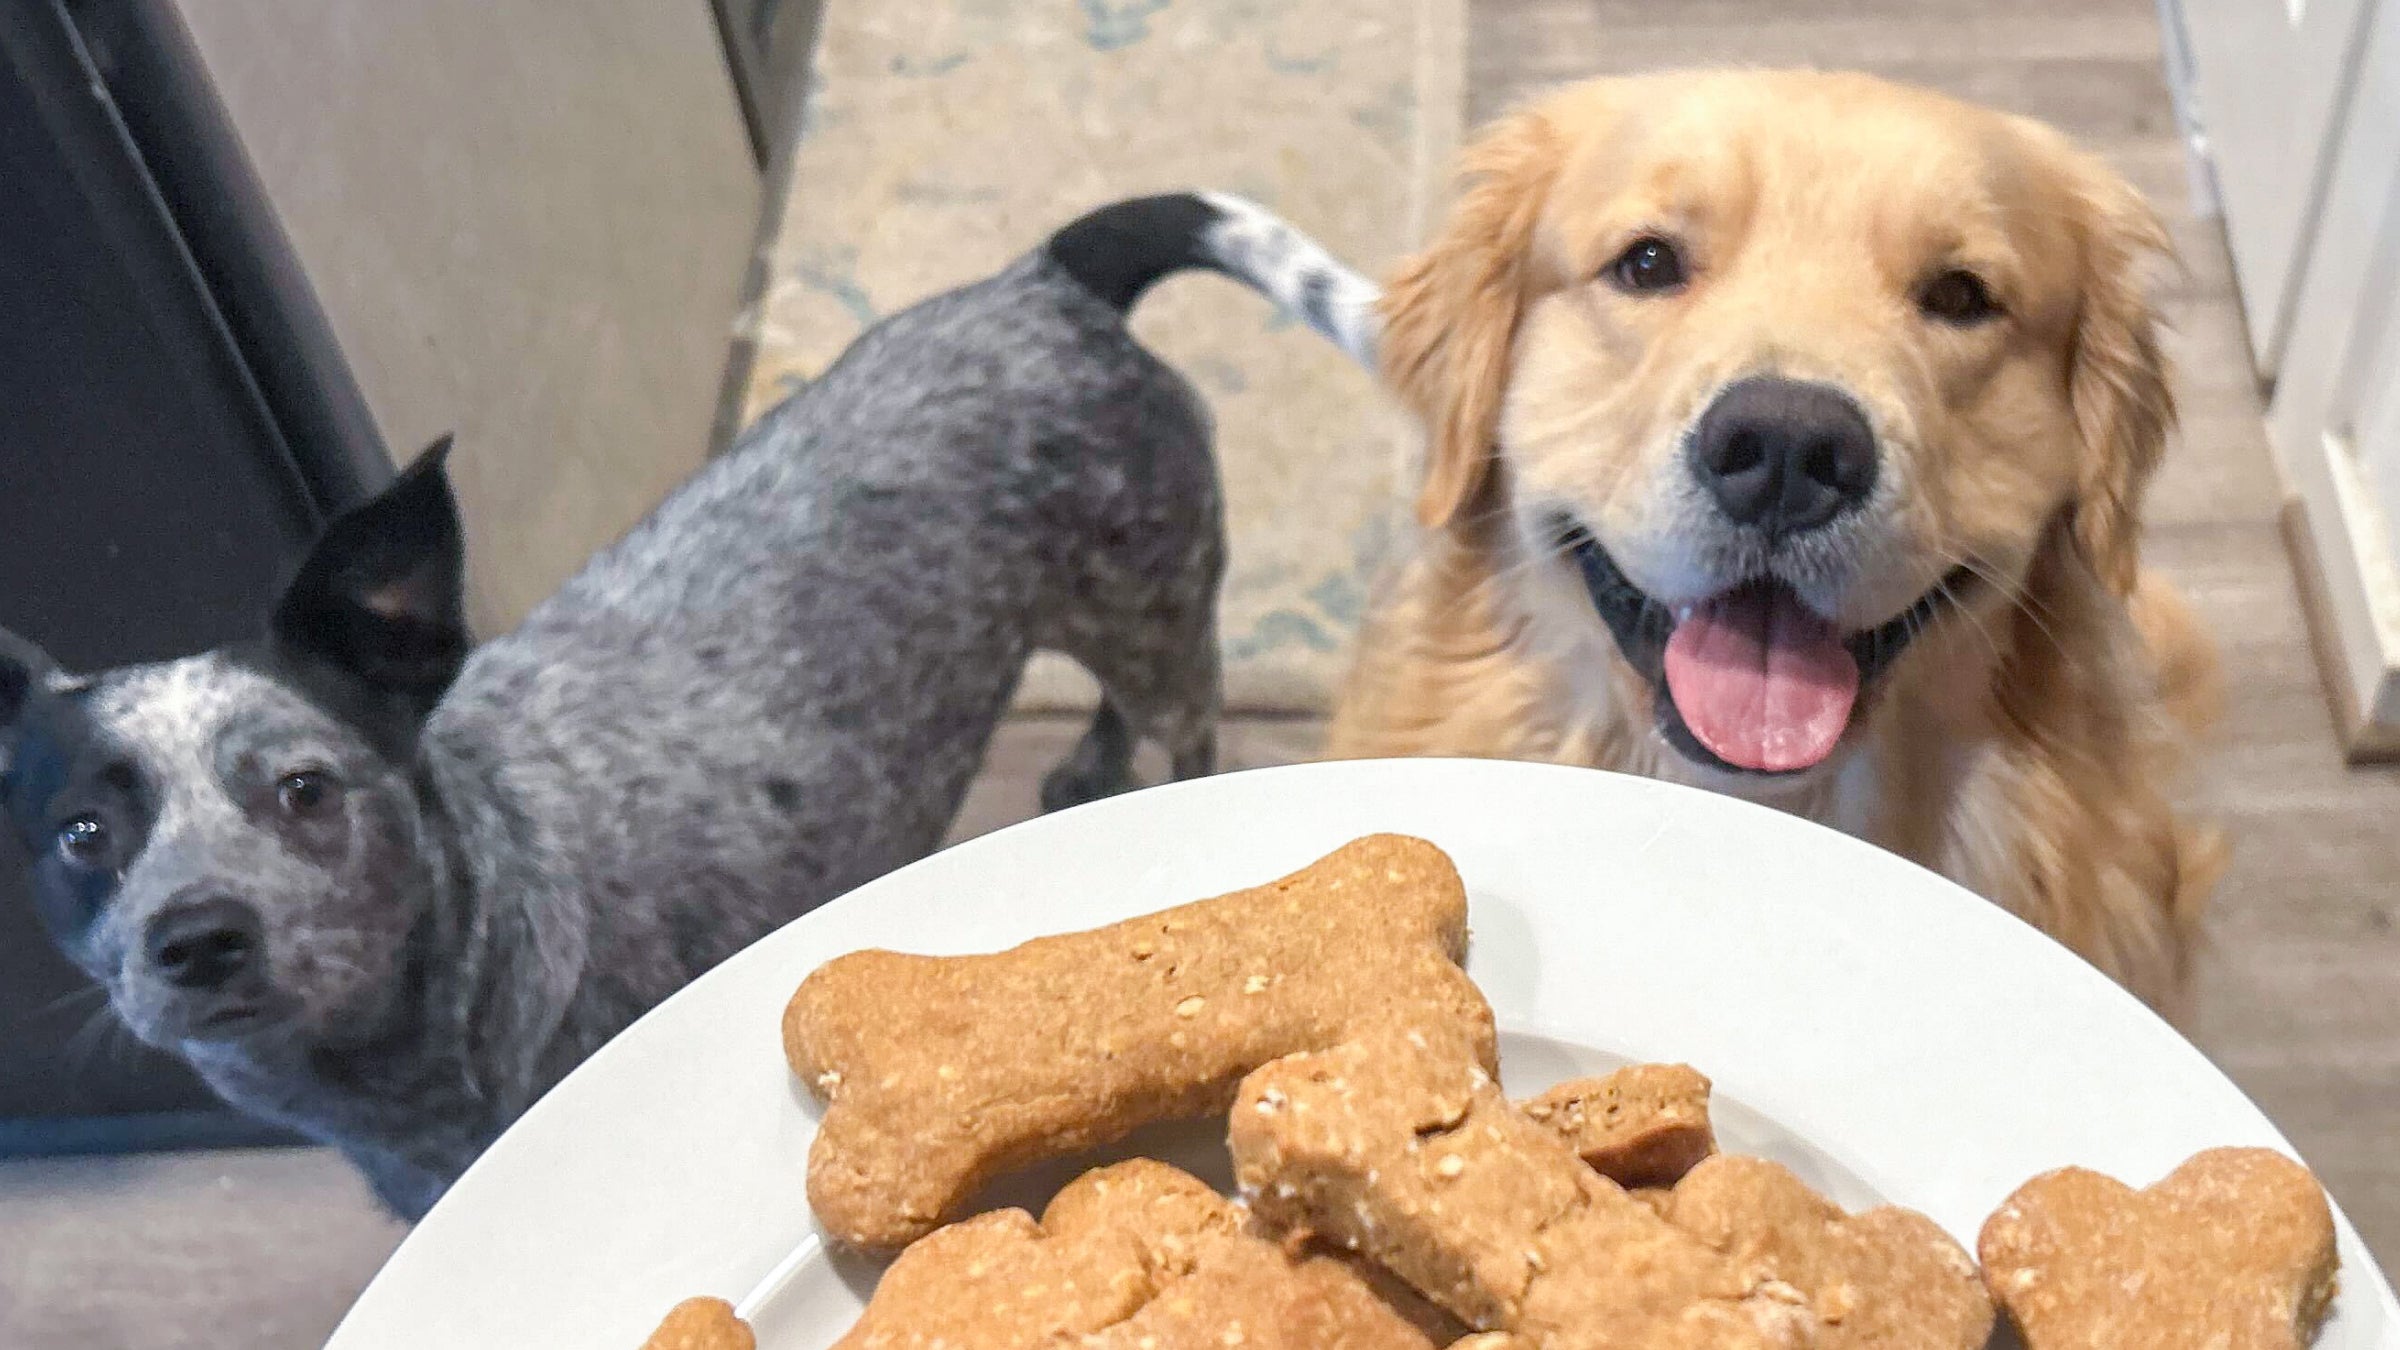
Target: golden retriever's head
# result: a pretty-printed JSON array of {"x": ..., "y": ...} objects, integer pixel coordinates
[{"x": 1771, "y": 371}]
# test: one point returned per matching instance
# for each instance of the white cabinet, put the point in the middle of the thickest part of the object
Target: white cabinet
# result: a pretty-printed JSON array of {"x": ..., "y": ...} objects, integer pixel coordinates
[
  {"x": 2270, "y": 78},
  {"x": 2335, "y": 418},
  {"x": 2298, "y": 105}
]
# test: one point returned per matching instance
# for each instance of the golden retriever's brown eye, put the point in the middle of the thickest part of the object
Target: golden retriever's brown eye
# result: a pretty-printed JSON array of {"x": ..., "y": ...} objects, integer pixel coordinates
[
  {"x": 1958, "y": 296},
  {"x": 1649, "y": 264}
]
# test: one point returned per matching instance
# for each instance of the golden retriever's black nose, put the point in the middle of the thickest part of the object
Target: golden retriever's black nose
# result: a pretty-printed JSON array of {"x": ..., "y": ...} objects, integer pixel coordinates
[
  {"x": 1784, "y": 455},
  {"x": 205, "y": 944}
]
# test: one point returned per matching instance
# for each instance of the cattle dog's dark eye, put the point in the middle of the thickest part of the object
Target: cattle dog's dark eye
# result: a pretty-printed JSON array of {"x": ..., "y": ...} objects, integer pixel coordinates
[
  {"x": 1958, "y": 296},
  {"x": 1648, "y": 265},
  {"x": 83, "y": 841},
  {"x": 308, "y": 794}
]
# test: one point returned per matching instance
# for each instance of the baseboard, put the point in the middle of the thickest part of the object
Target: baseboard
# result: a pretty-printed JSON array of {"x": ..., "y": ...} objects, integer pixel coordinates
[
  {"x": 2343, "y": 571},
  {"x": 155, "y": 1132}
]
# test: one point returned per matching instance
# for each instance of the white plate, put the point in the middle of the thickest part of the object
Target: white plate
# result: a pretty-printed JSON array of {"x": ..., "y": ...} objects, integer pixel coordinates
[{"x": 1883, "y": 1031}]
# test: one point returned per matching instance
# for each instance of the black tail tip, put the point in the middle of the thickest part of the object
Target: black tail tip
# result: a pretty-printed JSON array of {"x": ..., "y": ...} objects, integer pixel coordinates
[{"x": 1117, "y": 251}]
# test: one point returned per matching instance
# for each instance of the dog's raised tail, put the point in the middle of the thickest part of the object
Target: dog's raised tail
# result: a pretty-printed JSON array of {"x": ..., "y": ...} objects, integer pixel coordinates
[{"x": 1117, "y": 251}]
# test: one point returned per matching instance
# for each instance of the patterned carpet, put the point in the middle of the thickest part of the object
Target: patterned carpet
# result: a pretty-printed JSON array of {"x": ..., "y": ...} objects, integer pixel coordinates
[{"x": 942, "y": 139}]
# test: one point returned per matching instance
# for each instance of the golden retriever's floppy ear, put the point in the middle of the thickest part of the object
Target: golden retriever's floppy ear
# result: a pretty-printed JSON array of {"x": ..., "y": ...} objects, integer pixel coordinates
[
  {"x": 1450, "y": 315},
  {"x": 2119, "y": 381}
]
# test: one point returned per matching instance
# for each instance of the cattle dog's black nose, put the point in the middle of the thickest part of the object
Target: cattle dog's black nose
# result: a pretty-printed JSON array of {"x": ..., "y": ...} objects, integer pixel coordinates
[
  {"x": 204, "y": 944},
  {"x": 1783, "y": 455}
]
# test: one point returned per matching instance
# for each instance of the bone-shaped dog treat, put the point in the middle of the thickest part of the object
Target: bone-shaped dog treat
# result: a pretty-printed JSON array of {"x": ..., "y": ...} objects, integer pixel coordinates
[
  {"x": 940, "y": 1073},
  {"x": 1656, "y": 1199},
  {"x": 1884, "y": 1279},
  {"x": 1405, "y": 1150},
  {"x": 1433, "y": 1321},
  {"x": 2234, "y": 1250},
  {"x": 701, "y": 1324},
  {"x": 1643, "y": 1125},
  {"x": 1138, "y": 1256}
]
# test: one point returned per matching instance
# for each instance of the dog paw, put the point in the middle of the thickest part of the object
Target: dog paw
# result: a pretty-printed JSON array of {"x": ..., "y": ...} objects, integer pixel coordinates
[{"x": 1076, "y": 782}]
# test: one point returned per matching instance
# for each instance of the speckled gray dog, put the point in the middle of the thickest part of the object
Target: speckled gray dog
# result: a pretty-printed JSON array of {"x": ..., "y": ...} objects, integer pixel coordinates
[{"x": 387, "y": 890}]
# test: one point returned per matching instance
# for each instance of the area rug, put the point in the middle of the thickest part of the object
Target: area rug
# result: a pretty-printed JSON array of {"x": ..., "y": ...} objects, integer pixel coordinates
[{"x": 940, "y": 138}]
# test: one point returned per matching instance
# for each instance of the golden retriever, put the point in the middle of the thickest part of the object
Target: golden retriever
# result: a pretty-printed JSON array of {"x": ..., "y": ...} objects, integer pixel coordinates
[{"x": 1787, "y": 434}]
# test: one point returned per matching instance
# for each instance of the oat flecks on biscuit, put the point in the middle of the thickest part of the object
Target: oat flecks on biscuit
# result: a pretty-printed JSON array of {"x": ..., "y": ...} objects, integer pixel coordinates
[
  {"x": 1885, "y": 1279},
  {"x": 1406, "y": 1151},
  {"x": 1643, "y": 1125},
  {"x": 2237, "y": 1243},
  {"x": 1138, "y": 1256},
  {"x": 701, "y": 1324},
  {"x": 941, "y": 1073}
]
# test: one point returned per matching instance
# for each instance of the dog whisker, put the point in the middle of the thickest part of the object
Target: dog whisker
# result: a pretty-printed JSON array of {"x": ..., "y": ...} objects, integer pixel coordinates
[
  {"x": 101, "y": 1038},
  {"x": 1950, "y": 593},
  {"x": 1953, "y": 562},
  {"x": 2017, "y": 598},
  {"x": 1500, "y": 579},
  {"x": 69, "y": 999}
]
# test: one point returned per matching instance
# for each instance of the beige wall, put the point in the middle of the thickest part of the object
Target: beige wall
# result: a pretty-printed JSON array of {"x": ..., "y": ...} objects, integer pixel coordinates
[{"x": 528, "y": 222}]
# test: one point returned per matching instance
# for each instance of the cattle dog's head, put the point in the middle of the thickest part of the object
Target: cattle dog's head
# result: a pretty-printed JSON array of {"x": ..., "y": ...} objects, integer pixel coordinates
[{"x": 233, "y": 843}]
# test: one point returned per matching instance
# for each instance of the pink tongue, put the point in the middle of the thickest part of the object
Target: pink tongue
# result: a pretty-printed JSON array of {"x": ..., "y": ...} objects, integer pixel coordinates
[{"x": 1761, "y": 680}]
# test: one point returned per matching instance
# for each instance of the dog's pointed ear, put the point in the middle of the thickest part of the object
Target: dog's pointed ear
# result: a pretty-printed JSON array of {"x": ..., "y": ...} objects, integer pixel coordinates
[
  {"x": 2119, "y": 382},
  {"x": 23, "y": 667},
  {"x": 381, "y": 594},
  {"x": 1450, "y": 314}
]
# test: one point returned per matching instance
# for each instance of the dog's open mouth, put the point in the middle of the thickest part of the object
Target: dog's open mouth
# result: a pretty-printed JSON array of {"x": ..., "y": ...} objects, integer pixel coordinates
[{"x": 1751, "y": 680}]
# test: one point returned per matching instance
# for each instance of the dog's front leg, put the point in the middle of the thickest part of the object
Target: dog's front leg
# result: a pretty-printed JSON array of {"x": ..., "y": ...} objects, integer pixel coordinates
[{"x": 407, "y": 1189}]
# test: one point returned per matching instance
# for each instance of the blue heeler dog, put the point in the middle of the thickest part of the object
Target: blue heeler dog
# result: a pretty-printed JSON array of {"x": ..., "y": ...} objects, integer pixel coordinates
[{"x": 387, "y": 888}]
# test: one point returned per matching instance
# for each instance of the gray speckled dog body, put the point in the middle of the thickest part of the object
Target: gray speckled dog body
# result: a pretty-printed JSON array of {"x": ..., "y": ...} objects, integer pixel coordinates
[{"x": 387, "y": 890}]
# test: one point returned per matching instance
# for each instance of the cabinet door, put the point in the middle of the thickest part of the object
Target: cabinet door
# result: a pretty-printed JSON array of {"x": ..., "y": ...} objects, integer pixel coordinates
[
  {"x": 527, "y": 223},
  {"x": 2335, "y": 420},
  {"x": 147, "y": 509},
  {"x": 767, "y": 43},
  {"x": 2269, "y": 82}
]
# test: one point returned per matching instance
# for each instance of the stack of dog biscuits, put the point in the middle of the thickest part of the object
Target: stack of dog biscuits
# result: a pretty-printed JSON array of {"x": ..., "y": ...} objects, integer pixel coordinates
[
  {"x": 1138, "y": 1254},
  {"x": 1391, "y": 1197},
  {"x": 1415, "y": 1159}
]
